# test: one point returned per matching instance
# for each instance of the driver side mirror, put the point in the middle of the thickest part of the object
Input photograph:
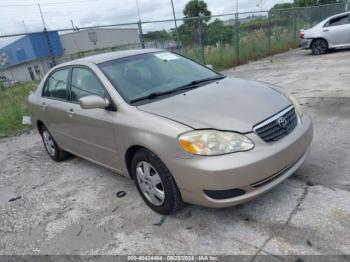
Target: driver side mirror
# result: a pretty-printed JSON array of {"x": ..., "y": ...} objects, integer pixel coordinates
[{"x": 93, "y": 102}]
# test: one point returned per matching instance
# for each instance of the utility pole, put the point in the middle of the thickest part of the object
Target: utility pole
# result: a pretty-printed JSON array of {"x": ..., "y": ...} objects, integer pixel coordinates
[
  {"x": 175, "y": 22},
  {"x": 71, "y": 21},
  {"x": 237, "y": 6},
  {"x": 25, "y": 26},
  {"x": 138, "y": 9},
  {"x": 172, "y": 5},
  {"x": 47, "y": 37},
  {"x": 42, "y": 17},
  {"x": 142, "y": 41}
]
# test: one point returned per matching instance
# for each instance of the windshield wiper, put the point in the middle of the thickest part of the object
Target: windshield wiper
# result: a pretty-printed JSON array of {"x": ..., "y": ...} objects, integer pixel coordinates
[
  {"x": 206, "y": 80},
  {"x": 152, "y": 95},
  {"x": 191, "y": 85},
  {"x": 194, "y": 83}
]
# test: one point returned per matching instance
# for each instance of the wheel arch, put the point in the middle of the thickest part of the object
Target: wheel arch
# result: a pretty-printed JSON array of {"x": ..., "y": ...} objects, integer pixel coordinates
[
  {"x": 39, "y": 125},
  {"x": 319, "y": 38},
  {"x": 130, "y": 152}
]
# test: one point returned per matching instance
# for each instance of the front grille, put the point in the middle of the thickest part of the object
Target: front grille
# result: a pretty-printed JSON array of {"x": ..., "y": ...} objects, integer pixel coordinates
[{"x": 277, "y": 126}]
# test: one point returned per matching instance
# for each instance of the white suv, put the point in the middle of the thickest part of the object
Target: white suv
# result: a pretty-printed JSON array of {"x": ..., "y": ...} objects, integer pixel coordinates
[{"x": 333, "y": 32}]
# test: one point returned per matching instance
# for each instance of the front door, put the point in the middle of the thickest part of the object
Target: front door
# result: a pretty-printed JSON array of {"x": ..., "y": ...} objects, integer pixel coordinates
[
  {"x": 337, "y": 31},
  {"x": 91, "y": 130},
  {"x": 54, "y": 103}
]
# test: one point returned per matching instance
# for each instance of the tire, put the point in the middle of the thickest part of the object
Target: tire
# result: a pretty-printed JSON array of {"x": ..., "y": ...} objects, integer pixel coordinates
[
  {"x": 155, "y": 183},
  {"x": 319, "y": 47},
  {"x": 53, "y": 150}
]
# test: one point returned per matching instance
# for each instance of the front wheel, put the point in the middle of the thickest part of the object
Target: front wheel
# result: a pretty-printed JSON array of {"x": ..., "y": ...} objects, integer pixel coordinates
[
  {"x": 155, "y": 183},
  {"x": 319, "y": 47}
]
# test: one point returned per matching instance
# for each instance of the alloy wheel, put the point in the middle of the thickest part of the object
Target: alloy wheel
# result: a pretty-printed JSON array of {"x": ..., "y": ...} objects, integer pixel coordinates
[
  {"x": 319, "y": 47},
  {"x": 150, "y": 183},
  {"x": 49, "y": 144}
]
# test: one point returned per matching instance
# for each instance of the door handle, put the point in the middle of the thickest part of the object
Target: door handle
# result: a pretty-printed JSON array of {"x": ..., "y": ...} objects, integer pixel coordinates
[
  {"x": 325, "y": 30},
  {"x": 70, "y": 112},
  {"x": 43, "y": 105}
]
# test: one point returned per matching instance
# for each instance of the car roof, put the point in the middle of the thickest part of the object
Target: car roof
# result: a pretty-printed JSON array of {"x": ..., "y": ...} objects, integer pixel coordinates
[
  {"x": 331, "y": 17},
  {"x": 340, "y": 14},
  {"x": 100, "y": 58}
]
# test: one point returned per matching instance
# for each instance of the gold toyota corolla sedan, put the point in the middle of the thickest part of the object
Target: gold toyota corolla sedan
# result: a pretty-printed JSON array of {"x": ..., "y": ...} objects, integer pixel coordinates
[{"x": 180, "y": 130}]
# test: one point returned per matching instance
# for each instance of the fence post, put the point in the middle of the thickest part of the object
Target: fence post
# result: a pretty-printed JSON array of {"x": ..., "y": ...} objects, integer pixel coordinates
[
  {"x": 237, "y": 38},
  {"x": 200, "y": 40},
  {"x": 142, "y": 41},
  {"x": 294, "y": 30},
  {"x": 269, "y": 33}
]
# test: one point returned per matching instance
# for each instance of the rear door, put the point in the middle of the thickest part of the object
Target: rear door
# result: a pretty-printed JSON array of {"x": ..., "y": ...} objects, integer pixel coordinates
[
  {"x": 91, "y": 131},
  {"x": 337, "y": 31},
  {"x": 54, "y": 104}
]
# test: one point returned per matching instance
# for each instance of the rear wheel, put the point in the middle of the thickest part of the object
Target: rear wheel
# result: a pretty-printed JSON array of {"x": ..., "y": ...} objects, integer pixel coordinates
[
  {"x": 155, "y": 183},
  {"x": 54, "y": 151},
  {"x": 319, "y": 47}
]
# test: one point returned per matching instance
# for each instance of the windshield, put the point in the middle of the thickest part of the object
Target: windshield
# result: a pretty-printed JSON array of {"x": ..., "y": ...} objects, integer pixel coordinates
[{"x": 139, "y": 76}]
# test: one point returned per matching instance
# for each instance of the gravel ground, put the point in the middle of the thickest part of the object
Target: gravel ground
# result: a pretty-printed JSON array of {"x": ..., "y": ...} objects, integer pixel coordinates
[{"x": 72, "y": 208}]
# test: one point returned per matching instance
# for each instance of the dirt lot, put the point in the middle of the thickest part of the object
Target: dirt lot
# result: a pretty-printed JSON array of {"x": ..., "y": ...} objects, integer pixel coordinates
[{"x": 72, "y": 208}]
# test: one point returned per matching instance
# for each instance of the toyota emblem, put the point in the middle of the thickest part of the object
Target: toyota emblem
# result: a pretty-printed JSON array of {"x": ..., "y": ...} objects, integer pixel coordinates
[{"x": 282, "y": 121}]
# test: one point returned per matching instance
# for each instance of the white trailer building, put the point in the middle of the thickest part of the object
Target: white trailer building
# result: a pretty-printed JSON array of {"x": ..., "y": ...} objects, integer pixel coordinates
[{"x": 101, "y": 38}]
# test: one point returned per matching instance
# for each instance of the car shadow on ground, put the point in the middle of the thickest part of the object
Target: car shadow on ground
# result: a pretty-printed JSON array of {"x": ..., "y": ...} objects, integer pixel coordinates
[{"x": 330, "y": 51}]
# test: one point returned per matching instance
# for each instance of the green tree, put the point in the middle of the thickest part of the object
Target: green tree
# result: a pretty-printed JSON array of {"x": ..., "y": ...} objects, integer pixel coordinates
[
  {"x": 282, "y": 6},
  {"x": 324, "y": 2},
  {"x": 217, "y": 32},
  {"x": 195, "y": 8},
  {"x": 305, "y": 3},
  {"x": 185, "y": 34},
  {"x": 197, "y": 26},
  {"x": 157, "y": 36}
]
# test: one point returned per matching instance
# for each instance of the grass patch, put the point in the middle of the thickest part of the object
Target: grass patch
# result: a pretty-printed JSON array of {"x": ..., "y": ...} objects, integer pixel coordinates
[
  {"x": 13, "y": 106},
  {"x": 253, "y": 45}
]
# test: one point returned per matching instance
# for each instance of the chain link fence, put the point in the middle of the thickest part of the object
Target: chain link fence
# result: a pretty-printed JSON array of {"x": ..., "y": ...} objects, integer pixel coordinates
[
  {"x": 228, "y": 40},
  {"x": 220, "y": 40}
]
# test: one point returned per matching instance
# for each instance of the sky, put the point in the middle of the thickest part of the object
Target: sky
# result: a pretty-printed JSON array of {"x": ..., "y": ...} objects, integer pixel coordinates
[{"x": 21, "y": 16}]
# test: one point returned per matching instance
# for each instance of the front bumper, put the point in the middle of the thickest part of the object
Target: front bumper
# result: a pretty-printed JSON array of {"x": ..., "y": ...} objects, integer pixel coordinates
[
  {"x": 253, "y": 172},
  {"x": 305, "y": 43}
]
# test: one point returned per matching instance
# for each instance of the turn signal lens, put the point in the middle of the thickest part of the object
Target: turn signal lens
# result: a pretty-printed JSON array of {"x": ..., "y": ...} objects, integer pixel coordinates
[{"x": 188, "y": 146}]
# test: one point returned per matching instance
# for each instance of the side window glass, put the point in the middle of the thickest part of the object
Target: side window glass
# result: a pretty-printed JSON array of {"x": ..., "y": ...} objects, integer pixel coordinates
[
  {"x": 85, "y": 83},
  {"x": 56, "y": 86},
  {"x": 342, "y": 20}
]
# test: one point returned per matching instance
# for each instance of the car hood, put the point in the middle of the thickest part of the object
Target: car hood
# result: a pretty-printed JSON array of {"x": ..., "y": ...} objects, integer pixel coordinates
[{"x": 228, "y": 104}]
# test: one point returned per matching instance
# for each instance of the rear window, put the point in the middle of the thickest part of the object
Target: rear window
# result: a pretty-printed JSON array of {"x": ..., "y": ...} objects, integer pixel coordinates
[{"x": 341, "y": 20}]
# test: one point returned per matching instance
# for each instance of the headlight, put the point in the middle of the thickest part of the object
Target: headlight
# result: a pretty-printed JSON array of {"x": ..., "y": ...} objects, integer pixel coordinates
[
  {"x": 296, "y": 104},
  {"x": 213, "y": 142}
]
